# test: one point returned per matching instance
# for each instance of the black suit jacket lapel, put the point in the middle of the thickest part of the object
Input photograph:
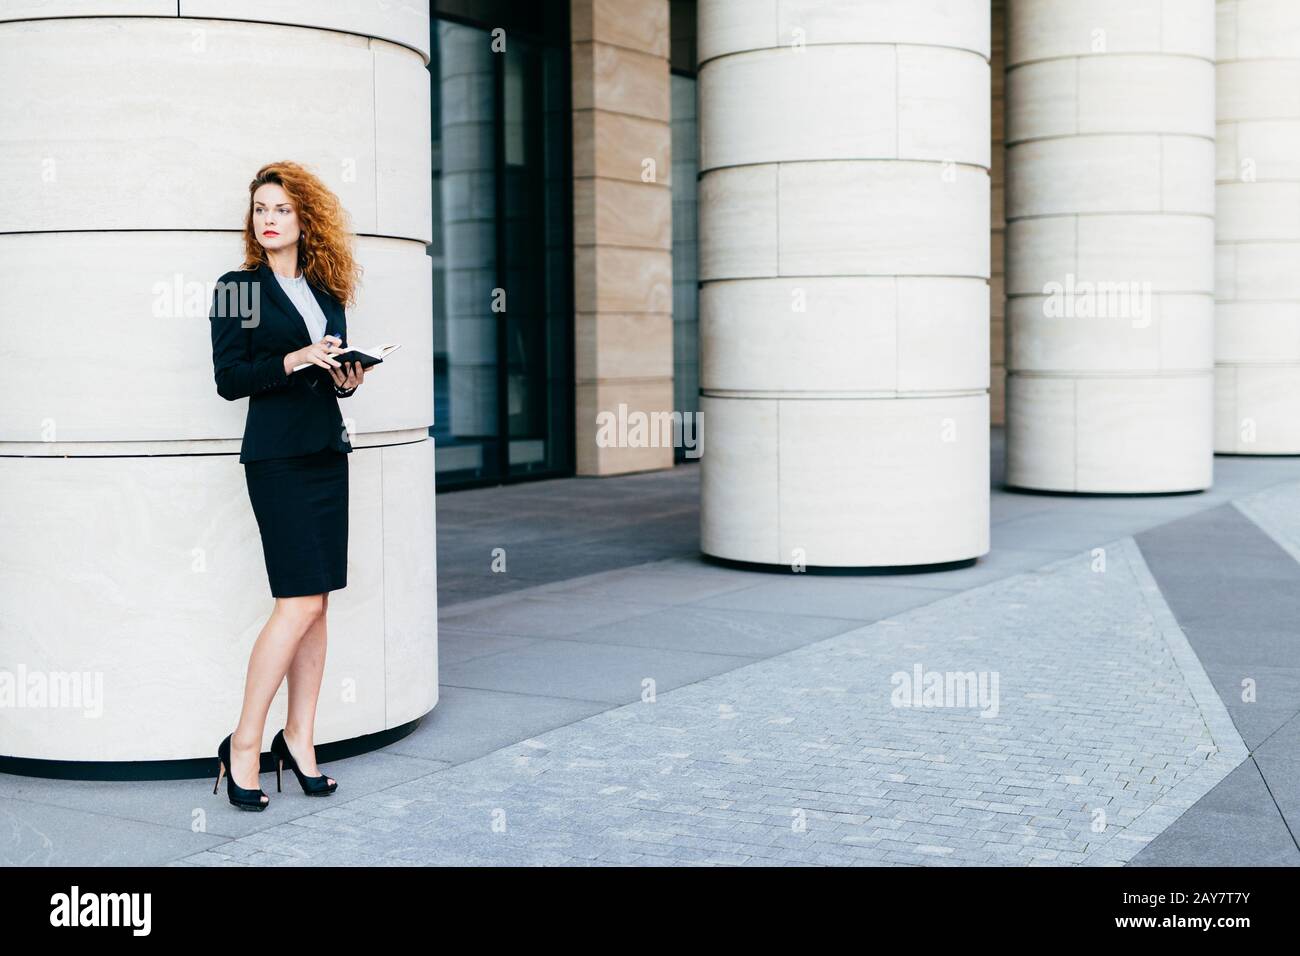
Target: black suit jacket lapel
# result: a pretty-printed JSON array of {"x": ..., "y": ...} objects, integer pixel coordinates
[
  {"x": 271, "y": 286},
  {"x": 332, "y": 311}
]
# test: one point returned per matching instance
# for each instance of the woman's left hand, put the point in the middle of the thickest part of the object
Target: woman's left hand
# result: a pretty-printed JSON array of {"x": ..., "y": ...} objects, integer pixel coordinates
[{"x": 349, "y": 376}]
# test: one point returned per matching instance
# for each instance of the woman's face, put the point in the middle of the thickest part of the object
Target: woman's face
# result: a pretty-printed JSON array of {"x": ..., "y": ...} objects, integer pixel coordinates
[{"x": 275, "y": 221}]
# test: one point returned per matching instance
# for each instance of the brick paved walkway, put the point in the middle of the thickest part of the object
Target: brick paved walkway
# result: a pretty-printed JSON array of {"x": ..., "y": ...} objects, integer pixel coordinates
[{"x": 1106, "y": 730}]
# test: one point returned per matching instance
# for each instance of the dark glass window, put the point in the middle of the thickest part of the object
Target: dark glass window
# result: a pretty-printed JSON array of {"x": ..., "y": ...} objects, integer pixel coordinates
[
  {"x": 502, "y": 263},
  {"x": 686, "y": 168}
]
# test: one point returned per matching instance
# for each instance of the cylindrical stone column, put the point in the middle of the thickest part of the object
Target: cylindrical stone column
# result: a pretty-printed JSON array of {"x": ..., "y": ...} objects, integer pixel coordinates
[
  {"x": 1257, "y": 314},
  {"x": 132, "y": 585},
  {"x": 1110, "y": 239},
  {"x": 844, "y": 262}
]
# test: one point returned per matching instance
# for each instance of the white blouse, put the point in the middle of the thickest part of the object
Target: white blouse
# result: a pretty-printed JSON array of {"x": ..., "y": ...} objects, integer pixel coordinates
[{"x": 302, "y": 296}]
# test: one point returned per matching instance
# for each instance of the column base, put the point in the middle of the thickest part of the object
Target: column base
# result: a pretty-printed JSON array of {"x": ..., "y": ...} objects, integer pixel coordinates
[
  {"x": 863, "y": 570},
  {"x": 196, "y": 768}
]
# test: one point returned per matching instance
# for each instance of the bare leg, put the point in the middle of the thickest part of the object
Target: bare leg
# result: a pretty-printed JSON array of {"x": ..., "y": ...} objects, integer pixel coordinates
[
  {"x": 304, "y": 690},
  {"x": 272, "y": 654}
]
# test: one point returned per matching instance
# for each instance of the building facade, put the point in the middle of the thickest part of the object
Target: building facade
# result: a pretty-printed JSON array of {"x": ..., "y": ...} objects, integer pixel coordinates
[{"x": 847, "y": 236}]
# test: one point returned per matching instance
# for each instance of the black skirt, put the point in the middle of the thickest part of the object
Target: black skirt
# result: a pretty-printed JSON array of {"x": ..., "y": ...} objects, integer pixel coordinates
[{"x": 301, "y": 506}]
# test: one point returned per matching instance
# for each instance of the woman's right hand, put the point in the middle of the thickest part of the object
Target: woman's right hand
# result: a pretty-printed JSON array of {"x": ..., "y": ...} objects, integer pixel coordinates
[{"x": 317, "y": 353}]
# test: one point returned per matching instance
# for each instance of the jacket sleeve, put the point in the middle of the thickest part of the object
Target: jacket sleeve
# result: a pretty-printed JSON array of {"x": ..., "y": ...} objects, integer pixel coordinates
[
  {"x": 343, "y": 334},
  {"x": 237, "y": 375}
]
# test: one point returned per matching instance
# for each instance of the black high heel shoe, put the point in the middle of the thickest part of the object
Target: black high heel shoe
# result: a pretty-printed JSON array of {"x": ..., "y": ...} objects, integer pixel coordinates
[
  {"x": 312, "y": 786},
  {"x": 239, "y": 796}
]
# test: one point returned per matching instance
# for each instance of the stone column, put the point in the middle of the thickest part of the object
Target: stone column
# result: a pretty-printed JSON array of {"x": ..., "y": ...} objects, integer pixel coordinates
[
  {"x": 622, "y": 231},
  {"x": 844, "y": 262},
  {"x": 1110, "y": 237},
  {"x": 131, "y": 573},
  {"x": 1257, "y": 327}
]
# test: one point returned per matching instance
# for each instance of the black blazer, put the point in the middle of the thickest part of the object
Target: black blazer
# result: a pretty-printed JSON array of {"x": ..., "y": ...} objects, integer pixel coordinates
[{"x": 254, "y": 326}]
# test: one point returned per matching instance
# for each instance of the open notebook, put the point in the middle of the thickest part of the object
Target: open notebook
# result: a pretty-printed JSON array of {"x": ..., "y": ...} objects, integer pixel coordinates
[{"x": 367, "y": 356}]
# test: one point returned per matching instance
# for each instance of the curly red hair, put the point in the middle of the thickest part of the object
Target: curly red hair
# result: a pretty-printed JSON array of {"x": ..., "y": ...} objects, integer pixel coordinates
[{"x": 325, "y": 250}]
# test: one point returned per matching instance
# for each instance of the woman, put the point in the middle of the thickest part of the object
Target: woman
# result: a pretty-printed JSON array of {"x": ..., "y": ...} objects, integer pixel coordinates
[{"x": 283, "y": 309}]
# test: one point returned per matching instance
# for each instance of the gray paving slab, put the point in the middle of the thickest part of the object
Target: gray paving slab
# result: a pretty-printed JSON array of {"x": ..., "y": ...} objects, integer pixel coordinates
[
  {"x": 42, "y": 834},
  {"x": 717, "y": 631},
  {"x": 588, "y": 671},
  {"x": 455, "y": 646},
  {"x": 1069, "y": 528},
  {"x": 670, "y": 581},
  {"x": 1273, "y": 511},
  {"x": 541, "y": 616},
  {"x": 1257, "y": 645},
  {"x": 182, "y": 804},
  {"x": 1137, "y": 509},
  {"x": 998, "y": 563},
  {"x": 1236, "y": 475},
  {"x": 1261, "y": 699},
  {"x": 1283, "y": 743},
  {"x": 1243, "y": 792},
  {"x": 1238, "y": 618},
  {"x": 163, "y": 803},
  {"x": 1281, "y": 772},
  {"x": 470, "y": 722},
  {"x": 1222, "y": 839},
  {"x": 607, "y": 524},
  {"x": 1254, "y": 687},
  {"x": 1257, "y": 722},
  {"x": 841, "y": 596},
  {"x": 1248, "y": 573},
  {"x": 1207, "y": 531},
  {"x": 478, "y": 586},
  {"x": 1006, "y": 506}
]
